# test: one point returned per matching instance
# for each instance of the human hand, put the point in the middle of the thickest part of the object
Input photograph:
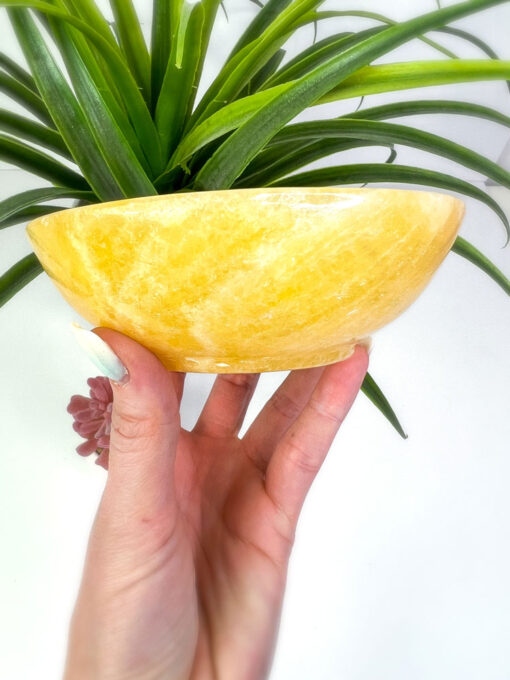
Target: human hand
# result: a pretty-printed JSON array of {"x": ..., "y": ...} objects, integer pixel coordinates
[{"x": 187, "y": 559}]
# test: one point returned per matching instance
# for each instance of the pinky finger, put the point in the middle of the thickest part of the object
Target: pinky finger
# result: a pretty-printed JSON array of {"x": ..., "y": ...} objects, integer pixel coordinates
[{"x": 300, "y": 454}]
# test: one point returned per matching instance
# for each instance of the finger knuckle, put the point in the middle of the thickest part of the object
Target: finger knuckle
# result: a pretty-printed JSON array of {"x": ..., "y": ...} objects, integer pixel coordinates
[
  {"x": 327, "y": 409},
  {"x": 285, "y": 405},
  {"x": 128, "y": 428},
  {"x": 243, "y": 380},
  {"x": 302, "y": 458}
]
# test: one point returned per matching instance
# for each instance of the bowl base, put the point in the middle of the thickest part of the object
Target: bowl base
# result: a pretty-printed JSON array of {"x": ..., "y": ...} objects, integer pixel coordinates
[{"x": 282, "y": 362}]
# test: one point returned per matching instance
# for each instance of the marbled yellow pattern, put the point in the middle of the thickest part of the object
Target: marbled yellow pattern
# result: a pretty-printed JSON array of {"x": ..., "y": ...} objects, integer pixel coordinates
[{"x": 248, "y": 280}]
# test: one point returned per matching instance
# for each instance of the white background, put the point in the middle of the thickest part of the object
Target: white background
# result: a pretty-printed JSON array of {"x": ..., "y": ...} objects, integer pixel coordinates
[{"x": 401, "y": 567}]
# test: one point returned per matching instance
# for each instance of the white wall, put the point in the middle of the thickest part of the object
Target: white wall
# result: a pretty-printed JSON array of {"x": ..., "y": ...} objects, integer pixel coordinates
[{"x": 402, "y": 560}]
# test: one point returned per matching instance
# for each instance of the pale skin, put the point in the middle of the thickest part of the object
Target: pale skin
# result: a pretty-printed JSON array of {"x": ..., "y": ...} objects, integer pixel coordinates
[{"x": 187, "y": 559}]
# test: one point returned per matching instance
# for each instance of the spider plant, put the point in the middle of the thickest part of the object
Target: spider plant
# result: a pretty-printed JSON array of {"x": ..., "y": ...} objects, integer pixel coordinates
[{"x": 123, "y": 120}]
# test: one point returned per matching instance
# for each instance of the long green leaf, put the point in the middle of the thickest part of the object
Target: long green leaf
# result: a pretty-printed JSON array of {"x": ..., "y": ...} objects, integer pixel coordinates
[
  {"x": 160, "y": 45},
  {"x": 135, "y": 104},
  {"x": 391, "y": 158},
  {"x": 15, "y": 204},
  {"x": 225, "y": 120},
  {"x": 409, "y": 75},
  {"x": 210, "y": 9},
  {"x": 468, "y": 251},
  {"x": 132, "y": 43},
  {"x": 64, "y": 107},
  {"x": 98, "y": 66},
  {"x": 465, "y": 35},
  {"x": 287, "y": 71},
  {"x": 27, "y": 129},
  {"x": 372, "y": 390},
  {"x": 392, "y": 133},
  {"x": 18, "y": 276},
  {"x": 30, "y": 213},
  {"x": 240, "y": 147},
  {"x": 101, "y": 76},
  {"x": 380, "y": 172},
  {"x": 90, "y": 13},
  {"x": 210, "y": 12},
  {"x": 109, "y": 48},
  {"x": 317, "y": 54},
  {"x": 317, "y": 16},
  {"x": 426, "y": 106},
  {"x": 17, "y": 72},
  {"x": 262, "y": 76},
  {"x": 282, "y": 159},
  {"x": 118, "y": 154},
  {"x": 24, "y": 156},
  {"x": 267, "y": 15},
  {"x": 473, "y": 39},
  {"x": 26, "y": 97},
  {"x": 279, "y": 160},
  {"x": 238, "y": 71},
  {"x": 177, "y": 94}
]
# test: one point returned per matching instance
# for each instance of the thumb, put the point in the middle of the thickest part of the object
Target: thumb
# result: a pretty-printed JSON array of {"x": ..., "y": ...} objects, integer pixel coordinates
[{"x": 145, "y": 421}]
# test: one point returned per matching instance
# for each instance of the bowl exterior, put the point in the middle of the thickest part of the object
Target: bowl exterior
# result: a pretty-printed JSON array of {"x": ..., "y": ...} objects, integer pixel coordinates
[{"x": 248, "y": 280}]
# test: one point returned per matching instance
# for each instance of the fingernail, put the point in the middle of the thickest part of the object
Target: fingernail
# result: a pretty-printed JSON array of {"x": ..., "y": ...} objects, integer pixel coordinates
[
  {"x": 366, "y": 343},
  {"x": 101, "y": 354}
]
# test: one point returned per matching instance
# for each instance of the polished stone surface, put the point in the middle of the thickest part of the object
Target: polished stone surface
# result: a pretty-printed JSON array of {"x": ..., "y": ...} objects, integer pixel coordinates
[{"x": 248, "y": 280}]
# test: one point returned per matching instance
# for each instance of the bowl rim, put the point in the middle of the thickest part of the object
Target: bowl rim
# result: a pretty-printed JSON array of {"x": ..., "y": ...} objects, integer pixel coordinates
[{"x": 301, "y": 190}]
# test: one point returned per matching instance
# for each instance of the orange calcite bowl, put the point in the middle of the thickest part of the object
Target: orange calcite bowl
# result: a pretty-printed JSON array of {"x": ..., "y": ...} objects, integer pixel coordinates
[{"x": 248, "y": 280}]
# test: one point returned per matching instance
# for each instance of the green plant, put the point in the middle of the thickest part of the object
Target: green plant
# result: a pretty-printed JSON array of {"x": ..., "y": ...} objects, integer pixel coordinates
[{"x": 130, "y": 125}]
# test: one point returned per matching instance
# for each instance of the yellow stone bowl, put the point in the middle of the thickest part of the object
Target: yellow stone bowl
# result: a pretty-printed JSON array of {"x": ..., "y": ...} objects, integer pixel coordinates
[{"x": 248, "y": 280}]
